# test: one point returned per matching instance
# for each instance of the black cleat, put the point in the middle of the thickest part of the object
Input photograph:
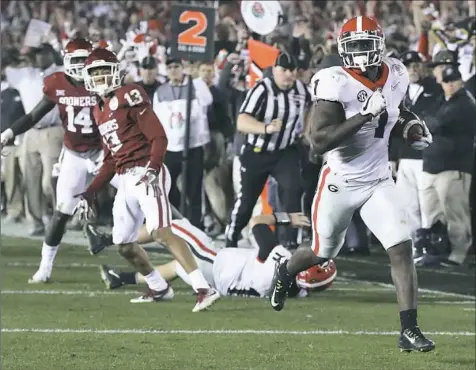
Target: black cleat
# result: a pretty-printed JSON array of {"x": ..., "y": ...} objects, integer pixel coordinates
[
  {"x": 281, "y": 286},
  {"x": 413, "y": 340},
  {"x": 97, "y": 240},
  {"x": 109, "y": 277}
]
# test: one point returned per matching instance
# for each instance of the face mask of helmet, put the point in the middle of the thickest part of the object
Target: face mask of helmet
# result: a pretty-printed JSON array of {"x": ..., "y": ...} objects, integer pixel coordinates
[
  {"x": 361, "y": 51},
  {"x": 74, "y": 64},
  {"x": 102, "y": 79}
]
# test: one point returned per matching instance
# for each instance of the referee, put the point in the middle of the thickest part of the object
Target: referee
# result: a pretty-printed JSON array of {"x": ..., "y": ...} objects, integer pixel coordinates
[{"x": 271, "y": 118}]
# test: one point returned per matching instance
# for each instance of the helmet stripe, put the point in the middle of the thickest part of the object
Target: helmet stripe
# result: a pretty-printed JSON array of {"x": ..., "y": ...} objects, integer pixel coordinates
[{"x": 359, "y": 24}]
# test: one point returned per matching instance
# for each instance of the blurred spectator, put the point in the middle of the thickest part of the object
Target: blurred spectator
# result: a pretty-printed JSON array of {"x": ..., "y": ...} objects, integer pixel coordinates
[
  {"x": 217, "y": 182},
  {"x": 12, "y": 109},
  {"x": 170, "y": 105},
  {"x": 41, "y": 145},
  {"x": 448, "y": 164},
  {"x": 148, "y": 74},
  {"x": 423, "y": 95}
]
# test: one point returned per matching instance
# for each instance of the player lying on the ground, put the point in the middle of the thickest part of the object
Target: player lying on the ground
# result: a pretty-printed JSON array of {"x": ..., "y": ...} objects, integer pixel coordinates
[
  {"x": 81, "y": 143},
  {"x": 233, "y": 271},
  {"x": 355, "y": 109},
  {"x": 135, "y": 144}
]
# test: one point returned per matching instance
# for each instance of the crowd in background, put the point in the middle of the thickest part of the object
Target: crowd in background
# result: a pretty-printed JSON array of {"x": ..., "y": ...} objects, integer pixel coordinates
[{"x": 308, "y": 30}]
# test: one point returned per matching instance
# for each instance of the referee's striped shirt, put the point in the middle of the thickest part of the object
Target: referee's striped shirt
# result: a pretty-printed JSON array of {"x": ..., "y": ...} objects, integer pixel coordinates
[{"x": 266, "y": 102}]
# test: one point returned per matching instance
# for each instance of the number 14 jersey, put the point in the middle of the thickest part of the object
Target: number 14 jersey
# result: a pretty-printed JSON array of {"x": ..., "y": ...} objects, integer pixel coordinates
[
  {"x": 75, "y": 105},
  {"x": 363, "y": 156}
]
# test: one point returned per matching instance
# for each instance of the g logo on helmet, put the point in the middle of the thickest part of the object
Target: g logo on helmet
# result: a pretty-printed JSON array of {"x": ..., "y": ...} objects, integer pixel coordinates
[
  {"x": 257, "y": 10},
  {"x": 319, "y": 277}
]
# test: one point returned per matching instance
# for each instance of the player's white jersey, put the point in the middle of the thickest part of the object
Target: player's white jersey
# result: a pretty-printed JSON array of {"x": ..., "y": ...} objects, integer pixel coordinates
[
  {"x": 237, "y": 271},
  {"x": 201, "y": 246},
  {"x": 363, "y": 156}
]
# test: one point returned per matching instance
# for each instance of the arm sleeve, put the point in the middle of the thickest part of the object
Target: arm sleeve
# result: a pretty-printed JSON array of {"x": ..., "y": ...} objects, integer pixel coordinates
[
  {"x": 105, "y": 174},
  {"x": 254, "y": 99},
  {"x": 153, "y": 130}
]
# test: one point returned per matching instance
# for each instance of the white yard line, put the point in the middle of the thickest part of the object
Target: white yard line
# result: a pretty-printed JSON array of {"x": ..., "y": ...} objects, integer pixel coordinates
[
  {"x": 93, "y": 293},
  {"x": 83, "y": 265},
  {"x": 229, "y": 332},
  {"x": 469, "y": 309},
  {"x": 420, "y": 290},
  {"x": 452, "y": 302}
]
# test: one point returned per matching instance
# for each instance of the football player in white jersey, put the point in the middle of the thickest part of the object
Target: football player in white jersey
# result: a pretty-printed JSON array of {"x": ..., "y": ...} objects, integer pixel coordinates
[
  {"x": 355, "y": 108},
  {"x": 232, "y": 271}
]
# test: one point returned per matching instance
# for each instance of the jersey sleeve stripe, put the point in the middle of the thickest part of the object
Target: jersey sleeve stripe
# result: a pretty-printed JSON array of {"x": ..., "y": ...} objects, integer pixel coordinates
[
  {"x": 195, "y": 239},
  {"x": 315, "y": 217}
]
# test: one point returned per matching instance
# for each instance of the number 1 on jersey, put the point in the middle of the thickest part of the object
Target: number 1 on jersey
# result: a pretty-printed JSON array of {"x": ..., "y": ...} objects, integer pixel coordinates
[{"x": 382, "y": 121}]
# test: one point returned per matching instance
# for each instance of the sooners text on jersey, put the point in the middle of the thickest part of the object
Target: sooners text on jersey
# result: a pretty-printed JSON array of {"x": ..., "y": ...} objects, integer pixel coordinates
[
  {"x": 75, "y": 105},
  {"x": 363, "y": 156}
]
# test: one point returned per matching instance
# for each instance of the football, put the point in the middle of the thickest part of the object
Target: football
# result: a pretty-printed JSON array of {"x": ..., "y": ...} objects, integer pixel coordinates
[{"x": 409, "y": 126}]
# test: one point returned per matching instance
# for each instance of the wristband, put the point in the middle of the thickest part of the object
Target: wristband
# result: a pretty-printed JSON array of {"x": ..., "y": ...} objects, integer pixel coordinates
[{"x": 282, "y": 218}]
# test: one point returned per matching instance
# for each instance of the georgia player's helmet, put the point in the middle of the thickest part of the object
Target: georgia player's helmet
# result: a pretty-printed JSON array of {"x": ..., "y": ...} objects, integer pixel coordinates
[
  {"x": 75, "y": 53},
  {"x": 102, "y": 73},
  {"x": 319, "y": 277},
  {"x": 361, "y": 43}
]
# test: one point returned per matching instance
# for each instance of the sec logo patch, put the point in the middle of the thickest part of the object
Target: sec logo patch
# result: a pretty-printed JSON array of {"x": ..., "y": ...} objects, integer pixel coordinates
[{"x": 362, "y": 96}]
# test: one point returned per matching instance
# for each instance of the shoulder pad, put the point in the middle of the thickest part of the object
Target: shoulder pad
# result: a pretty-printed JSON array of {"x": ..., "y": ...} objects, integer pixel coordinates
[
  {"x": 328, "y": 83},
  {"x": 397, "y": 68},
  {"x": 399, "y": 72},
  {"x": 131, "y": 95},
  {"x": 52, "y": 82}
]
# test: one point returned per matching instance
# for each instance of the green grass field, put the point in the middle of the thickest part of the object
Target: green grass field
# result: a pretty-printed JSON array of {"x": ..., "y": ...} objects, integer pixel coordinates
[{"x": 74, "y": 323}]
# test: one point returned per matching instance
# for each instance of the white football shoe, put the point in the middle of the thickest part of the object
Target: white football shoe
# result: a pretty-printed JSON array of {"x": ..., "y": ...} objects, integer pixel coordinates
[
  {"x": 40, "y": 277},
  {"x": 205, "y": 298},
  {"x": 155, "y": 296}
]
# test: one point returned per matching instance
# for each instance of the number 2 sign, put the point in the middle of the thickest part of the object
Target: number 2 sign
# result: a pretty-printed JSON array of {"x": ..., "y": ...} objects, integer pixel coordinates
[{"x": 193, "y": 30}]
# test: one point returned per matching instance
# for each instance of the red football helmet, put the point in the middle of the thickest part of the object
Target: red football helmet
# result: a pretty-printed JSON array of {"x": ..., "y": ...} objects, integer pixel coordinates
[
  {"x": 102, "y": 73},
  {"x": 319, "y": 277},
  {"x": 75, "y": 53},
  {"x": 361, "y": 43}
]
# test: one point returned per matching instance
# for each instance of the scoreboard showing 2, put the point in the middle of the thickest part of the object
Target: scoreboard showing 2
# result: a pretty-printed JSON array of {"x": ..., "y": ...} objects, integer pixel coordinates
[{"x": 193, "y": 29}]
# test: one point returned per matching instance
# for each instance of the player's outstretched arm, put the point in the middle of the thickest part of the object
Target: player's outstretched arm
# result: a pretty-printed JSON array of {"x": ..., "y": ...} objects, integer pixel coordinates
[
  {"x": 328, "y": 126},
  {"x": 29, "y": 120}
]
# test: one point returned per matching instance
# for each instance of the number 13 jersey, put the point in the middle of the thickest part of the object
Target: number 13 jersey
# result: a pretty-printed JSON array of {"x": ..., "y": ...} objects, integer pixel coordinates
[
  {"x": 75, "y": 105},
  {"x": 130, "y": 130},
  {"x": 363, "y": 156}
]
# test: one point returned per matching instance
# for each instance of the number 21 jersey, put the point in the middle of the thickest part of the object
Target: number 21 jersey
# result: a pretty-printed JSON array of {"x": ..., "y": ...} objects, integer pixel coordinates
[
  {"x": 75, "y": 105},
  {"x": 363, "y": 156}
]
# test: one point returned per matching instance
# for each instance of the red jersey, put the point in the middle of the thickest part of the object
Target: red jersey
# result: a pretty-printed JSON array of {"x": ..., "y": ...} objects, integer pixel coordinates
[
  {"x": 131, "y": 132},
  {"x": 75, "y": 105}
]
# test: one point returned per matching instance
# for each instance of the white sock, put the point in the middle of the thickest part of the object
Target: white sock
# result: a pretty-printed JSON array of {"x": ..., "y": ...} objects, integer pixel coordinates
[
  {"x": 198, "y": 281},
  {"x": 48, "y": 254},
  {"x": 155, "y": 281}
]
